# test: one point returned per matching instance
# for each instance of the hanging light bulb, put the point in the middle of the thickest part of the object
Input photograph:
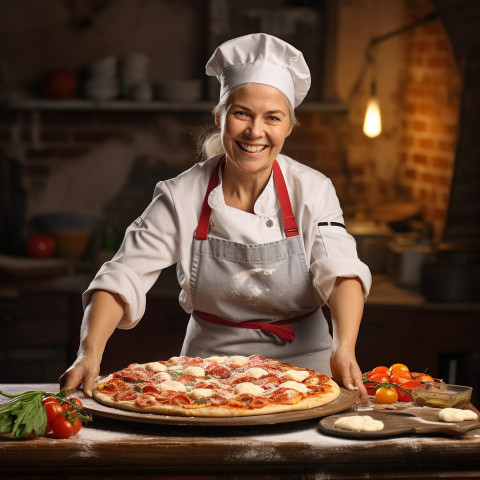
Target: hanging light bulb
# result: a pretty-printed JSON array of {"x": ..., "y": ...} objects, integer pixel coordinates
[{"x": 372, "y": 126}]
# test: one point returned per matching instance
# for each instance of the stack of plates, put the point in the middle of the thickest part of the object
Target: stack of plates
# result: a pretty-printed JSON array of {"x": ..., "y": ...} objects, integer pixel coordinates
[
  {"x": 179, "y": 90},
  {"x": 102, "y": 83}
]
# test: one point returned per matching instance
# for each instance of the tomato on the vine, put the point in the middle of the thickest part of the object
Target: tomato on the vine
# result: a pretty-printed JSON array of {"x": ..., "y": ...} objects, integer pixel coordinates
[
  {"x": 53, "y": 410},
  {"x": 66, "y": 425},
  {"x": 400, "y": 377},
  {"x": 380, "y": 377},
  {"x": 403, "y": 396},
  {"x": 68, "y": 406},
  {"x": 425, "y": 378},
  {"x": 381, "y": 369},
  {"x": 386, "y": 395},
  {"x": 399, "y": 367}
]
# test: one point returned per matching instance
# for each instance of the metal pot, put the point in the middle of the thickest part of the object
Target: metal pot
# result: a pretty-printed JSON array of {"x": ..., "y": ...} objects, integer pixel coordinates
[
  {"x": 405, "y": 262},
  {"x": 448, "y": 281}
]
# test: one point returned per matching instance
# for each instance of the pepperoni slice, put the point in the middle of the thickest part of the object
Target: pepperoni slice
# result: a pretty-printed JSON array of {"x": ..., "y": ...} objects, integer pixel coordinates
[
  {"x": 235, "y": 381},
  {"x": 186, "y": 379},
  {"x": 286, "y": 396},
  {"x": 145, "y": 400},
  {"x": 128, "y": 394},
  {"x": 217, "y": 371},
  {"x": 166, "y": 396},
  {"x": 180, "y": 400},
  {"x": 217, "y": 399},
  {"x": 151, "y": 389},
  {"x": 114, "y": 385},
  {"x": 194, "y": 362},
  {"x": 203, "y": 384},
  {"x": 268, "y": 381}
]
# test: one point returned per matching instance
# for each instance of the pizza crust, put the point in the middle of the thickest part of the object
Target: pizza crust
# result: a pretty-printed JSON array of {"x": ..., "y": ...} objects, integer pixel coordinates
[{"x": 309, "y": 402}]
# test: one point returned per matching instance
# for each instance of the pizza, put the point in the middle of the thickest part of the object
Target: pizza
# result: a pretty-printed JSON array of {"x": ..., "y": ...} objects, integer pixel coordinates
[{"x": 215, "y": 387}]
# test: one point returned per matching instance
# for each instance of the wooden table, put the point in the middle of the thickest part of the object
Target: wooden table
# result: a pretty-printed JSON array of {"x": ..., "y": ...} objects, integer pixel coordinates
[{"x": 116, "y": 449}]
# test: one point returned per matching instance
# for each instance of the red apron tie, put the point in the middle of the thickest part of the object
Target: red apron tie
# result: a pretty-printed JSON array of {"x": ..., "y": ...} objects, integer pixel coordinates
[{"x": 279, "y": 329}]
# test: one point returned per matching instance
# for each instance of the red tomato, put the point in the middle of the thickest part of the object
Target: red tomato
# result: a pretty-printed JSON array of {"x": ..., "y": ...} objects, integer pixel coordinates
[
  {"x": 40, "y": 245},
  {"x": 50, "y": 400},
  {"x": 405, "y": 397},
  {"x": 400, "y": 377},
  {"x": 60, "y": 83},
  {"x": 398, "y": 367},
  {"x": 53, "y": 411},
  {"x": 380, "y": 377},
  {"x": 386, "y": 395},
  {"x": 77, "y": 424},
  {"x": 384, "y": 370},
  {"x": 63, "y": 427},
  {"x": 67, "y": 406},
  {"x": 425, "y": 378}
]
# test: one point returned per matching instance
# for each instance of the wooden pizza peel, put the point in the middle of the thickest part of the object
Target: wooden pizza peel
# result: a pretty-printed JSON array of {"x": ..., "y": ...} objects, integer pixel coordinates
[
  {"x": 345, "y": 400},
  {"x": 409, "y": 420}
]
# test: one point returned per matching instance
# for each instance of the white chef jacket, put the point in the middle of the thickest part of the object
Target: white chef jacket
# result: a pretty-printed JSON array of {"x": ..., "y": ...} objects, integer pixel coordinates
[{"x": 163, "y": 234}]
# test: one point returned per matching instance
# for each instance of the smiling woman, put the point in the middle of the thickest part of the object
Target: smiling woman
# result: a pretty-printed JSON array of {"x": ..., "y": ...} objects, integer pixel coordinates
[
  {"x": 258, "y": 238},
  {"x": 253, "y": 130}
]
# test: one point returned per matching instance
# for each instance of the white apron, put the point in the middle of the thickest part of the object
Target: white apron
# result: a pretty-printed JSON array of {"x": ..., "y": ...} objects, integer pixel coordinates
[{"x": 245, "y": 296}]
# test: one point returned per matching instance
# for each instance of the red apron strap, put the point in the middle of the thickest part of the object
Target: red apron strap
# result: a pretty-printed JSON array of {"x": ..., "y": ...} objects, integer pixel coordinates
[
  {"x": 279, "y": 329},
  {"x": 289, "y": 223},
  {"x": 202, "y": 228}
]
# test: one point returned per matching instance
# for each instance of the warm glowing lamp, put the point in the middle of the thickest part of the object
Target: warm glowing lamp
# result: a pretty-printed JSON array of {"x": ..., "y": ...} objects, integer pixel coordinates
[{"x": 372, "y": 126}]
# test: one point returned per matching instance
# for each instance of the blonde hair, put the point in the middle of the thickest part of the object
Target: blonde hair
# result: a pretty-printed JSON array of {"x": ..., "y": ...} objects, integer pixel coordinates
[{"x": 210, "y": 140}]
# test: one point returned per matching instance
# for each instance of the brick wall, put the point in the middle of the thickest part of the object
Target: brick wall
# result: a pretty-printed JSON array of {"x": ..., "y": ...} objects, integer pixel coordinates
[{"x": 430, "y": 116}]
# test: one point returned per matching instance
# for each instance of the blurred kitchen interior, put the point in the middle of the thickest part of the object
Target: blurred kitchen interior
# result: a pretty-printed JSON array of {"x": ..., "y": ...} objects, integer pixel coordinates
[{"x": 101, "y": 99}]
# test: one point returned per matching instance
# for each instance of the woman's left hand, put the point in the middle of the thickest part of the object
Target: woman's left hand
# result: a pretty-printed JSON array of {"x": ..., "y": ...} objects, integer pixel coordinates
[{"x": 345, "y": 371}]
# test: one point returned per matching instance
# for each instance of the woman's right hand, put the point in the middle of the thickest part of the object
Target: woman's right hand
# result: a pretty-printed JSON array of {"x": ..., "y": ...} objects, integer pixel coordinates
[
  {"x": 83, "y": 373},
  {"x": 102, "y": 315}
]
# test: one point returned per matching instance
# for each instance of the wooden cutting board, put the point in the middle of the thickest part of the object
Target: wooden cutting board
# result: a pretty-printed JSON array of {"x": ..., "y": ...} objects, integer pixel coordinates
[{"x": 410, "y": 420}]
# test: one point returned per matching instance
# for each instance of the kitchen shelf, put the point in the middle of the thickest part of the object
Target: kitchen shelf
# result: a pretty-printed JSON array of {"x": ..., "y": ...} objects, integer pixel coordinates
[{"x": 75, "y": 105}]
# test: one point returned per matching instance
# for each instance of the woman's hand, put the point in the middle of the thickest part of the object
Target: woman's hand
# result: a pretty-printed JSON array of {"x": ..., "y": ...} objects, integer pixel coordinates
[
  {"x": 346, "y": 371},
  {"x": 84, "y": 371},
  {"x": 102, "y": 316}
]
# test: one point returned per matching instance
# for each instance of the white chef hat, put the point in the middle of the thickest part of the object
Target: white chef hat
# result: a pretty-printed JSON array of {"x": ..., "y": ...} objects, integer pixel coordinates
[{"x": 261, "y": 58}]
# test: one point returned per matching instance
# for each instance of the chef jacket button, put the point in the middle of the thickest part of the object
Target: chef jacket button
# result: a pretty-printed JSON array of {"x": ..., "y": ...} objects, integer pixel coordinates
[
  {"x": 269, "y": 223},
  {"x": 211, "y": 225}
]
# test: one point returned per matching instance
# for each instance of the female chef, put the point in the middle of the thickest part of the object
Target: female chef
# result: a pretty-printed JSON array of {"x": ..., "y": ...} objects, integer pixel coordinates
[{"x": 258, "y": 238}]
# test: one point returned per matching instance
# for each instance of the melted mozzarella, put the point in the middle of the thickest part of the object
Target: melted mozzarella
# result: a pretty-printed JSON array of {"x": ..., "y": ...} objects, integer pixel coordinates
[
  {"x": 248, "y": 387},
  {"x": 239, "y": 359},
  {"x": 155, "y": 367},
  {"x": 217, "y": 359},
  {"x": 297, "y": 375},
  {"x": 161, "y": 377},
  {"x": 195, "y": 371},
  {"x": 201, "y": 392},
  {"x": 172, "y": 385},
  {"x": 256, "y": 372},
  {"x": 300, "y": 387}
]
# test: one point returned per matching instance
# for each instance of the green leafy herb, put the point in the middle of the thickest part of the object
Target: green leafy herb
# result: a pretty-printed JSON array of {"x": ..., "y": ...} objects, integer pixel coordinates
[{"x": 23, "y": 415}]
